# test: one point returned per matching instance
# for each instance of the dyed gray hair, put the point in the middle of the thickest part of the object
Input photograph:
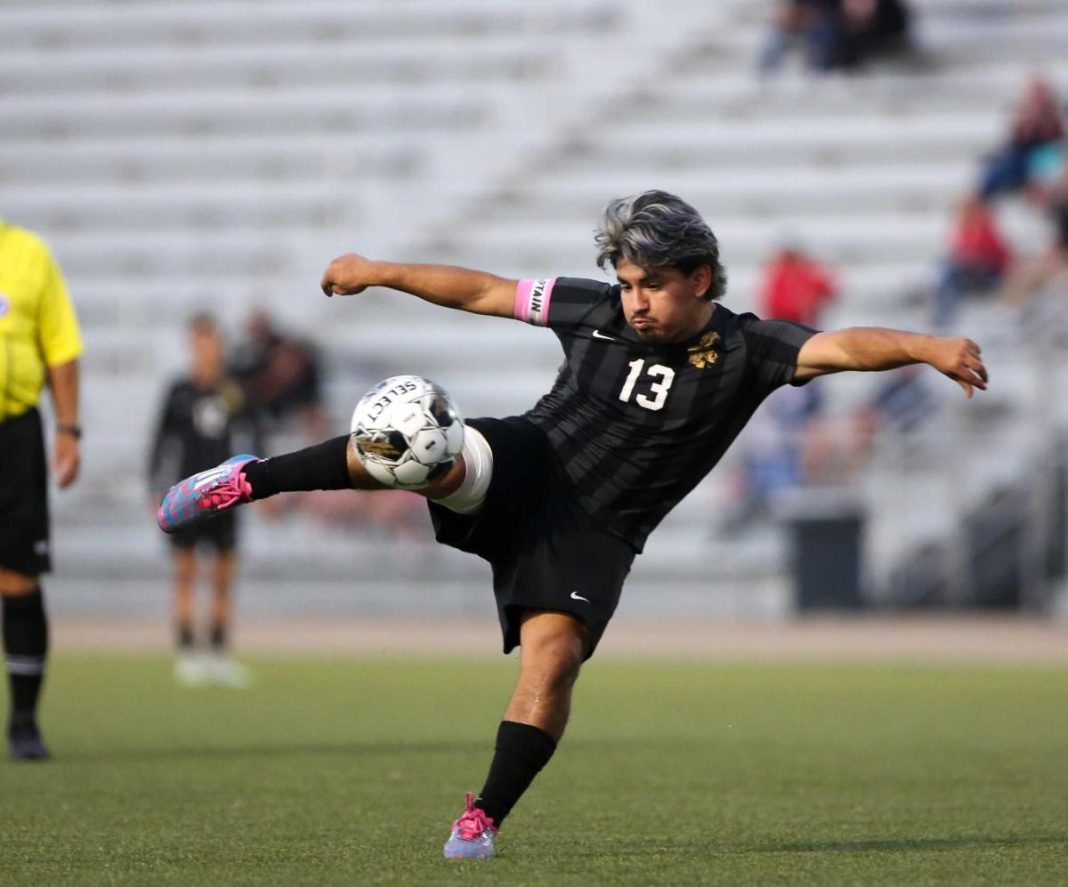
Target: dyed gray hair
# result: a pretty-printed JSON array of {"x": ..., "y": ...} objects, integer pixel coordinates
[{"x": 659, "y": 230}]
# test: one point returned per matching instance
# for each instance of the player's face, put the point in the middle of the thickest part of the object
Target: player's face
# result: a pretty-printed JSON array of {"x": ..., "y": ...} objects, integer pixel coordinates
[
  {"x": 208, "y": 355},
  {"x": 664, "y": 304}
]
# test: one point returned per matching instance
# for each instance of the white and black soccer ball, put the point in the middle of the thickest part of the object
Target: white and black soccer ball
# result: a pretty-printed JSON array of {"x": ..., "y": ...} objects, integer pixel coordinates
[{"x": 407, "y": 431}]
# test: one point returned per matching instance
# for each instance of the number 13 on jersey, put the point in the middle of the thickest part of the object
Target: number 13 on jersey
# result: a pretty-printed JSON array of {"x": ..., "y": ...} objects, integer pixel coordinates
[{"x": 661, "y": 377}]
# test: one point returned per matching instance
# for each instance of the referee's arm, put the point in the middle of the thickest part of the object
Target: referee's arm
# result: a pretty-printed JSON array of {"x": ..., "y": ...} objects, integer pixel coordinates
[
  {"x": 873, "y": 348},
  {"x": 66, "y": 453},
  {"x": 446, "y": 285}
]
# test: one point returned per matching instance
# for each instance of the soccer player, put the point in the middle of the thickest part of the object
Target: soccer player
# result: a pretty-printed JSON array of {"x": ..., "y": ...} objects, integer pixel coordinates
[
  {"x": 658, "y": 379},
  {"x": 39, "y": 344},
  {"x": 202, "y": 414}
]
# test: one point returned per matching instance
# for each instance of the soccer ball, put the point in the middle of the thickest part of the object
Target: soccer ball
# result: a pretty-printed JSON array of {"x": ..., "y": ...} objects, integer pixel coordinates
[{"x": 407, "y": 432}]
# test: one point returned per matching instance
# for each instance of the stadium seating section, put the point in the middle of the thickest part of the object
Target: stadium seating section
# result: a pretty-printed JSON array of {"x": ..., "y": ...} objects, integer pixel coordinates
[{"x": 218, "y": 154}]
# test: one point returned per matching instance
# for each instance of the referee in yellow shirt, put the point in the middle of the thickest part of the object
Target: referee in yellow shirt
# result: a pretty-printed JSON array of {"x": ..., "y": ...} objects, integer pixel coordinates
[{"x": 39, "y": 345}]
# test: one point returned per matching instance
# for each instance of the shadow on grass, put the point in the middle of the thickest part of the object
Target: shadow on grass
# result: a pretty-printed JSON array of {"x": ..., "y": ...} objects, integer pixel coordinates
[
  {"x": 326, "y": 749},
  {"x": 896, "y": 845},
  {"x": 280, "y": 750},
  {"x": 910, "y": 844}
]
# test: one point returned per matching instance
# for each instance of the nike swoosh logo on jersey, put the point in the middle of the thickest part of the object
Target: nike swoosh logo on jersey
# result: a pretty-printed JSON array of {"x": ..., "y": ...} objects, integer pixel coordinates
[
  {"x": 578, "y": 597},
  {"x": 597, "y": 334}
]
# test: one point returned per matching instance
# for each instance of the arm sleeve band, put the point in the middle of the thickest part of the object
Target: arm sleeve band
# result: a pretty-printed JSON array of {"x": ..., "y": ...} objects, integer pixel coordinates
[{"x": 532, "y": 298}]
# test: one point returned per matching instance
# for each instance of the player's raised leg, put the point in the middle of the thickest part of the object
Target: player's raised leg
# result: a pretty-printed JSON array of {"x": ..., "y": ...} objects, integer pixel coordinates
[{"x": 406, "y": 434}]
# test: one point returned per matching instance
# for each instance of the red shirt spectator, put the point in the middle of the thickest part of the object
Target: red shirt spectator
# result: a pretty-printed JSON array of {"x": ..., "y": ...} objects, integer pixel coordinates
[
  {"x": 795, "y": 288},
  {"x": 977, "y": 242}
]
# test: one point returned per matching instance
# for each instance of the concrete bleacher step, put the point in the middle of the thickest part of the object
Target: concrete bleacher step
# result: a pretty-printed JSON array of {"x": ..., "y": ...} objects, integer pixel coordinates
[
  {"x": 321, "y": 22},
  {"x": 162, "y": 69},
  {"x": 838, "y": 238},
  {"x": 258, "y": 161},
  {"x": 751, "y": 190},
  {"x": 326, "y": 110}
]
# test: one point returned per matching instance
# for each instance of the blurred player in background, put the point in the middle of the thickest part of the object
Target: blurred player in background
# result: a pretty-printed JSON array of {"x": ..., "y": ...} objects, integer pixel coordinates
[
  {"x": 281, "y": 375},
  {"x": 204, "y": 416},
  {"x": 657, "y": 382},
  {"x": 39, "y": 344}
]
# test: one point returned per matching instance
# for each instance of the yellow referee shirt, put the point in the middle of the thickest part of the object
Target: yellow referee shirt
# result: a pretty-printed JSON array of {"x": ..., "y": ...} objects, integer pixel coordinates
[{"x": 38, "y": 327}]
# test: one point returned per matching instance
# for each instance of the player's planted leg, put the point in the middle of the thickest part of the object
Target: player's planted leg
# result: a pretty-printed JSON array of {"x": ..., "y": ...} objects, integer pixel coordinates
[{"x": 552, "y": 649}]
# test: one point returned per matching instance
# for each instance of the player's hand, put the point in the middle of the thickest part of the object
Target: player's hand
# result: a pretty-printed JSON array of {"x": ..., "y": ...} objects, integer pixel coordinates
[
  {"x": 347, "y": 275},
  {"x": 66, "y": 459},
  {"x": 961, "y": 360}
]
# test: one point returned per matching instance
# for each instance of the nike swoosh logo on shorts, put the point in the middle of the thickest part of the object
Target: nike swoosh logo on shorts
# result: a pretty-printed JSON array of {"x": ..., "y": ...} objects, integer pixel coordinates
[
  {"x": 578, "y": 597},
  {"x": 597, "y": 334}
]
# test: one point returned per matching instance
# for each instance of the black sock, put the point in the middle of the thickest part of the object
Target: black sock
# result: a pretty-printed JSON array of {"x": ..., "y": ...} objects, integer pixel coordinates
[
  {"x": 185, "y": 637},
  {"x": 321, "y": 467},
  {"x": 25, "y": 649},
  {"x": 220, "y": 637},
  {"x": 521, "y": 751}
]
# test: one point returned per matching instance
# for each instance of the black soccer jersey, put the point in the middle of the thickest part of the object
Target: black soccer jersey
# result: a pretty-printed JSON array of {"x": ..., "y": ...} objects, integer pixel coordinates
[
  {"x": 636, "y": 425},
  {"x": 197, "y": 429}
]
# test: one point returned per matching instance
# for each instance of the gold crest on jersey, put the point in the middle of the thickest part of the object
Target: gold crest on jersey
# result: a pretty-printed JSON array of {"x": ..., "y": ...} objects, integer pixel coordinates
[{"x": 704, "y": 353}]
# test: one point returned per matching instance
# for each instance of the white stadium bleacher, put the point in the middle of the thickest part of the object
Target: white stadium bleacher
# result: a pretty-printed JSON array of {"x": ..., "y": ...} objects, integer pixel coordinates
[{"x": 184, "y": 155}]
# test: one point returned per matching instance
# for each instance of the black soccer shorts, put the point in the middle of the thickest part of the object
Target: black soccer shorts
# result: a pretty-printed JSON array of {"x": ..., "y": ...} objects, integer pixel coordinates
[
  {"x": 218, "y": 532},
  {"x": 546, "y": 552},
  {"x": 24, "y": 536}
]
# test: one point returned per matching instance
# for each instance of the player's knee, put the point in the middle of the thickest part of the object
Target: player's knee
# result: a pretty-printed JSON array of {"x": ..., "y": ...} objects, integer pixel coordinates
[
  {"x": 15, "y": 583},
  {"x": 553, "y": 646},
  {"x": 464, "y": 488}
]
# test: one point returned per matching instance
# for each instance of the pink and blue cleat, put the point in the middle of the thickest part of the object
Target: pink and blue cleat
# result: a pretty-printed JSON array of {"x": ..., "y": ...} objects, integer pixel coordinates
[
  {"x": 210, "y": 492},
  {"x": 472, "y": 834}
]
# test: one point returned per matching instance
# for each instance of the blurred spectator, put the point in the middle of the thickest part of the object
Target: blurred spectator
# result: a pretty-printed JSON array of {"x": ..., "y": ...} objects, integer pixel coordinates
[
  {"x": 205, "y": 415},
  {"x": 1030, "y": 276},
  {"x": 793, "y": 443},
  {"x": 901, "y": 403},
  {"x": 872, "y": 28},
  {"x": 1036, "y": 131},
  {"x": 795, "y": 287},
  {"x": 977, "y": 260},
  {"x": 834, "y": 34},
  {"x": 282, "y": 379},
  {"x": 837, "y": 448},
  {"x": 280, "y": 375},
  {"x": 791, "y": 27},
  {"x": 775, "y": 454}
]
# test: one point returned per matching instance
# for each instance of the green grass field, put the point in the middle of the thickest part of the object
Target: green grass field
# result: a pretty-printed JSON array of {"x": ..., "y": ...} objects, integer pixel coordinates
[{"x": 350, "y": 771}]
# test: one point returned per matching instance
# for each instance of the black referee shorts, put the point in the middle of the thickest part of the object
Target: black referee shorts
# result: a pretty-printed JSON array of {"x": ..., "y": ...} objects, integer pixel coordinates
[
  {"x": 24, "y": 539},
  {"x": 545, "y": 550}
]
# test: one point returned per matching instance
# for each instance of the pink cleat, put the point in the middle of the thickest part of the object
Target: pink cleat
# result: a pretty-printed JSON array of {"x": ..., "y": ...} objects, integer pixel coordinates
[
  {"x": 210, "y": 492},
  {"x": 472, "y": 834}
]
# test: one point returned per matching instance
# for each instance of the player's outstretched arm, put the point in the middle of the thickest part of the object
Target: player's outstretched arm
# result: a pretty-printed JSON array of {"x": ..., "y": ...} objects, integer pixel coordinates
[
  {"x": 873, "y": 349},
  {"x": 446, "y": 285}
]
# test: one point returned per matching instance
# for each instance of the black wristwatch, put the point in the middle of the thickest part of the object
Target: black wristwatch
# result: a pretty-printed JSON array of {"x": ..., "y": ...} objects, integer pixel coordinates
[{"x": 74, "y": 431}]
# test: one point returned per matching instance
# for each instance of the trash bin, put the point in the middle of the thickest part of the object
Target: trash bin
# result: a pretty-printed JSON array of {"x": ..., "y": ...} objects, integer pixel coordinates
[{"x": 825, "y": 530}]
